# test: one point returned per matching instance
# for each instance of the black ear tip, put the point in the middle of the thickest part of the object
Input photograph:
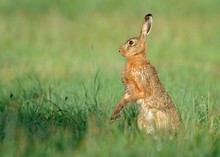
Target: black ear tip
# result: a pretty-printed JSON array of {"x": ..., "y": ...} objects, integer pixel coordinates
[{"x": 148, "y": 15}]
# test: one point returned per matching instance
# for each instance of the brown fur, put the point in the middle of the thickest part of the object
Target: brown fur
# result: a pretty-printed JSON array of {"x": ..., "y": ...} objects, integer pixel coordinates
[{"x": 142, "y": 85}]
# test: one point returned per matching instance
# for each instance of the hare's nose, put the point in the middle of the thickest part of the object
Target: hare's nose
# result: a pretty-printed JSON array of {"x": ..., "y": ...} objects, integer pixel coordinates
[{"x": 119, "y": 50}]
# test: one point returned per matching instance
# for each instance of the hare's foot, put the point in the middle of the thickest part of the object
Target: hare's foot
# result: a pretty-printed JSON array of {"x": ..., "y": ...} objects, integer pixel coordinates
[
  {"x": 114, "y": 116},
  {"x": 112, "y": 120}
]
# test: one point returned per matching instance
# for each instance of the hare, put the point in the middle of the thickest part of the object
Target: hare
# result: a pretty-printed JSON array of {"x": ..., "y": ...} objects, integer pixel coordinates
[{"x": 142, "y": 85}]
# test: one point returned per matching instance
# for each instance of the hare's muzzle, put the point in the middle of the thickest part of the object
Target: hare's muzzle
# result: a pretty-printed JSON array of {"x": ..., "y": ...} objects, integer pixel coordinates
[{"x": 120, "y": 49}]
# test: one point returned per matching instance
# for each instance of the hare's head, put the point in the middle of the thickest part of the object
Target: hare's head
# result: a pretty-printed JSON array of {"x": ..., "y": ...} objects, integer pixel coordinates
[{"x": 137, "y": 45}]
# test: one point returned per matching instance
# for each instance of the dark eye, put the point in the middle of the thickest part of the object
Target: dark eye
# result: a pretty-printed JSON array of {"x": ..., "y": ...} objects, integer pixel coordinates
[{"x": 131, "y": 42}]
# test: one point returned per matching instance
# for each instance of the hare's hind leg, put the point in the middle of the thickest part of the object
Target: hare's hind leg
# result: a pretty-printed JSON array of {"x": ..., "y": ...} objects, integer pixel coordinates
[
  {"x": 166, "y": 121},
  {"x": 162, "y": 120},
  {"x": 152, "y": 121}
]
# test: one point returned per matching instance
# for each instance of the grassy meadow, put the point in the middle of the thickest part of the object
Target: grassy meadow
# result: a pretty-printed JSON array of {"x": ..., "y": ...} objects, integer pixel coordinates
[{"x": 60, "y": 77}]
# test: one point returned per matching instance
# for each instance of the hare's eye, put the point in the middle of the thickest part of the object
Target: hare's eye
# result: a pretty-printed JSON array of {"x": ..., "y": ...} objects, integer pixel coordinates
[{"x": 131, "y": 42}]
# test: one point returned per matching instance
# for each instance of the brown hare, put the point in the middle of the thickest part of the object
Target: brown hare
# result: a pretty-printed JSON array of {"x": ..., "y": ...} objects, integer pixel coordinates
[{"x": 142, "y": 85}]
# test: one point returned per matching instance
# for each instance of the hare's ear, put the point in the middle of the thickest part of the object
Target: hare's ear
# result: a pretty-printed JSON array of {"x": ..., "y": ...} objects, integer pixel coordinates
[{"x": 146, "y": 28}]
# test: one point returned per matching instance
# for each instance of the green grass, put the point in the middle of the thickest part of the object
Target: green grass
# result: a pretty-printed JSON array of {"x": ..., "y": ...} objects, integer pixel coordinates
[{"x": 60, "y": 77}]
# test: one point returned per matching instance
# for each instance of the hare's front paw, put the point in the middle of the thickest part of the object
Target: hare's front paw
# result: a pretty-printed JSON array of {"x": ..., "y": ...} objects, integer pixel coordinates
[
  {"x": 114, "y": 116},
  {"x": 112, "y": 120}
]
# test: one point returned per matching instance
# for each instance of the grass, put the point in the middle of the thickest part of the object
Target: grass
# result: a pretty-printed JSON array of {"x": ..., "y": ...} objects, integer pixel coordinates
[{"x": 60, "y": 77}]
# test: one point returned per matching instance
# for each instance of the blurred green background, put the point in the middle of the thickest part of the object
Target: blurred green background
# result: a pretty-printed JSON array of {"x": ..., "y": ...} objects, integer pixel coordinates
[{"x": 60, "y": 76}]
